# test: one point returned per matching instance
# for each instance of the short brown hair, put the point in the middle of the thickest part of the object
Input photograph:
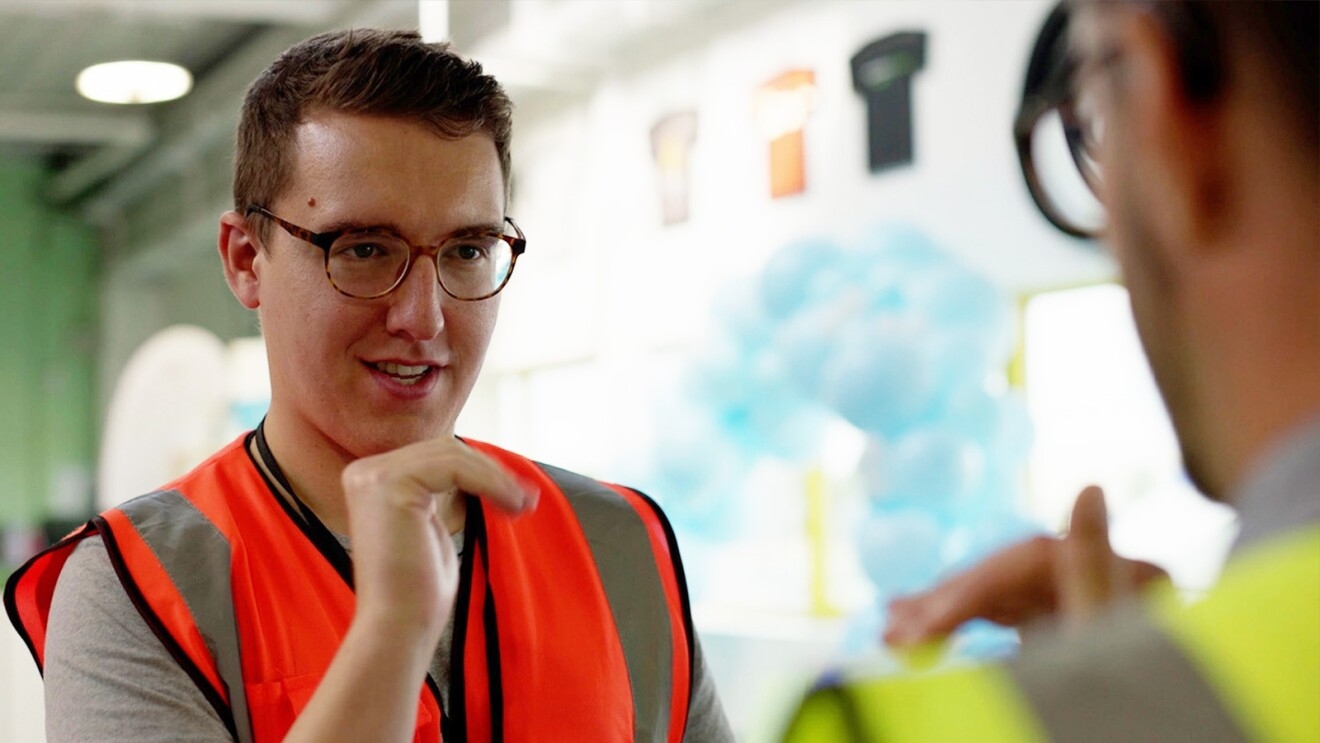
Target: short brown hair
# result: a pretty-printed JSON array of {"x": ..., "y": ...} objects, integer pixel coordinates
[{"x": 379, "y": 73}]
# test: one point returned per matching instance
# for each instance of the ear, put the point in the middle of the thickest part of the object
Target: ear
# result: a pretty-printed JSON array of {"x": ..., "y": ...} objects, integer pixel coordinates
[
  {"x": 1179, "y": 141},
  {"x": 242, "y": 256}
]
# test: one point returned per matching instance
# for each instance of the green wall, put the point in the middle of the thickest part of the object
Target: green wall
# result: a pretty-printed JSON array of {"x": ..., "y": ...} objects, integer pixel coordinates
[{"x": 49, "y": 267}]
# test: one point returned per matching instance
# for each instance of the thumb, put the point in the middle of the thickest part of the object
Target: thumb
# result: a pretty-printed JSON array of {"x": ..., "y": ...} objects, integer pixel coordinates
[{"x": 1084, "y": 573}]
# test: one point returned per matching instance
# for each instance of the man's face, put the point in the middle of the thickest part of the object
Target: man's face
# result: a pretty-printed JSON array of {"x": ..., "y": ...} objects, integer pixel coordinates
[
  {"x": 335, "y": 360},
  {"x": 1135, "y": 198}
]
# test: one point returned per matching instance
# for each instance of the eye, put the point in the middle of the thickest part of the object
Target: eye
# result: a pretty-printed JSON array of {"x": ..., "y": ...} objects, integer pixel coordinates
[
  {"x": 466, "y": 251},
  {"x": 363, "y": 248}
]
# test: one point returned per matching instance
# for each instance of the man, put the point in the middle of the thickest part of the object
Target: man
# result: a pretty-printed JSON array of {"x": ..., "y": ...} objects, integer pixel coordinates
[
  {"x": 487, "y": 597},
  {"x": 1195, "y": 124}
]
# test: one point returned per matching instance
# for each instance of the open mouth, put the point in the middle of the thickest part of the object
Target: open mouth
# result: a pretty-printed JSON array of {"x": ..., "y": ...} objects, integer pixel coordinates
[{"x": 402, "y": 373}]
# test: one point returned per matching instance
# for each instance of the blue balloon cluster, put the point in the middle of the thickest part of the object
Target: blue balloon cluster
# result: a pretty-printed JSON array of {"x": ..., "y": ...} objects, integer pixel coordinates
[{"x": 899, "y": 339}]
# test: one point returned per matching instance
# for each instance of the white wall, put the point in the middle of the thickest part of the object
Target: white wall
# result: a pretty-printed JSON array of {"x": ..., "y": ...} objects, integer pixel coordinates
[
  {"x": 605, "y": 285},
  {"x": 607, "y": 301}
]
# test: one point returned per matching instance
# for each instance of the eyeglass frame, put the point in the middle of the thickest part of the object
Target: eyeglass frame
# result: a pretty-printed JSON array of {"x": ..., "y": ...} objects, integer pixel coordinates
[
  {"x": 1048, "y": 87},
  {"x": 1051, "y": 82},
  {"x": 325, "y": 240}
]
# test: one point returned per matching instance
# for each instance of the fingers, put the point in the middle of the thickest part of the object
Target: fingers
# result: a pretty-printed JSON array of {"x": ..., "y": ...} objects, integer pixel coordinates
[
  {"x": 420, "y": 471},
  {"x": 462, "y": 468},
  {"x": 923, "y": 617},
  {"x": 1086, "y": 562},
  {"x": 1010, "y": 587},
  {"x": 401, "y": 510},
  {"x": 935, "y": 613},
  {"x": 1078, "y": 576}
]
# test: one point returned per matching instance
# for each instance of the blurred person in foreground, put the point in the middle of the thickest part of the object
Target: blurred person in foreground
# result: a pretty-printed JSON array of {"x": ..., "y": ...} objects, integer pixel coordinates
[
  {"x": 351, "y": 570},
  {"x": 1197, "y": 126}
]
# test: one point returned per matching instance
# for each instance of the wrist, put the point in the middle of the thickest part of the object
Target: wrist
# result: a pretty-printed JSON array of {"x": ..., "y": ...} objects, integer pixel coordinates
[{"x": 392, "y": 631}]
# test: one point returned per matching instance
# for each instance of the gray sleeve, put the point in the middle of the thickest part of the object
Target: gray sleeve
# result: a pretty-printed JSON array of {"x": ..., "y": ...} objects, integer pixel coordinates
[
  {"x": 1123, "y": 679},
  {"x": 107, "y": 675},
  {"x": 707, "y": 722}
]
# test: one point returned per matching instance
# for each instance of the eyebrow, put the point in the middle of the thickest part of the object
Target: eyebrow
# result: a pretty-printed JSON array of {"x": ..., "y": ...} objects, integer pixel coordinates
[
  {"x": 349, "y": 225},
  {"x": 485, "y": 228}
]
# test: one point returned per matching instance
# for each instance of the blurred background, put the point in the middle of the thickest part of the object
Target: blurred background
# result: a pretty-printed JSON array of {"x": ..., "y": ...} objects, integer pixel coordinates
[{"x": 783, "y": 275}]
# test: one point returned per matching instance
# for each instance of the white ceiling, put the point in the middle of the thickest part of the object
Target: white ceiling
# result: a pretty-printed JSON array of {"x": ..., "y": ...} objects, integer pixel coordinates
[
  {"x": 45, "y": 43},
  {"x": 104, "y": 158}
]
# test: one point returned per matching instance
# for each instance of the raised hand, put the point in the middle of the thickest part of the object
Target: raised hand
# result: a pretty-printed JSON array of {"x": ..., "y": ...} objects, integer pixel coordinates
[
  {"x": 404, "y": 563},
  {"x": 405, "y": 573},
  {"x": 1077, "y": 575}
]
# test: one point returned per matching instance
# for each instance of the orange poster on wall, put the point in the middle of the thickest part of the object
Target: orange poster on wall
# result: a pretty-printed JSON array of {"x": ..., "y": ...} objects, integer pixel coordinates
[{"x": 782, "y": 107}]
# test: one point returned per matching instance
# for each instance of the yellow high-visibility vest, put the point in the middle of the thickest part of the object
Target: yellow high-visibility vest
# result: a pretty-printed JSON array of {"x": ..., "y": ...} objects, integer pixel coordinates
[{"x": 1243, "y": 663}]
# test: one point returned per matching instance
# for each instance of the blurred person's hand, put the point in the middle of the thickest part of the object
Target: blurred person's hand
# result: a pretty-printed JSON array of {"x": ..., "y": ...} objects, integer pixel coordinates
[{"x": 1076, "y": 577}]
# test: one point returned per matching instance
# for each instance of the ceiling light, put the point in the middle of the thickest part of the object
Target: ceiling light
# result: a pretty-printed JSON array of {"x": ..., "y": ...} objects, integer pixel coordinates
[{"x": 134, "y": 81}]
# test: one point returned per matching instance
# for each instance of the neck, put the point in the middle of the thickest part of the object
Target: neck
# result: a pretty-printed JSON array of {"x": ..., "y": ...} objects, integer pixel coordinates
[
  {"x": 1255, "y": 410},
  {"x": 1260, "y": 340},
  {"x": 312, "y": 465}
]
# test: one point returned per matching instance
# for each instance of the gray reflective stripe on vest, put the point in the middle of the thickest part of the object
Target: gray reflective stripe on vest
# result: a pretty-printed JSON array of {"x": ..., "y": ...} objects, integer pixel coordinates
[
  {"x": 1120, "y": 680},
  {"x": 195, "y": 555},
  {"x": 619, "y": 543}
]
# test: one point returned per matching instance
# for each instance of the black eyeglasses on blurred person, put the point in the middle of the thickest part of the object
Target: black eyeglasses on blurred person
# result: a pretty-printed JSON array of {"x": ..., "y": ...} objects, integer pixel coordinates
[
  {"x": 1057, "y": 135},
  {"x": 1059, "y": 127}
]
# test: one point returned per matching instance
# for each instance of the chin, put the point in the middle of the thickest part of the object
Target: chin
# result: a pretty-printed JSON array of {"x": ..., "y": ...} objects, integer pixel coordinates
[
  {"x": 385, "y": 435},
  {"x": 1200, "y": 478}
]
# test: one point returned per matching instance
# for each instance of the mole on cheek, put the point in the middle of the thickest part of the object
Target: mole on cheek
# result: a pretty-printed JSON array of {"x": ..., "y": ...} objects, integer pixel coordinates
[{"x": 311, "y": 201}]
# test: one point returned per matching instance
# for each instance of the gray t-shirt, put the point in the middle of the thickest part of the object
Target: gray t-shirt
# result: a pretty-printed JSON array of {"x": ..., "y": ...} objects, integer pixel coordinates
[
  {"x": 1279, "y": 493},
  {"x": 109, "y": 678}
]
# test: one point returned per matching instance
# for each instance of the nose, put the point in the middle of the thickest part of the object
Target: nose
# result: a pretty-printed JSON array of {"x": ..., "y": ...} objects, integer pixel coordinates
[{"x": 416, "y": 309}]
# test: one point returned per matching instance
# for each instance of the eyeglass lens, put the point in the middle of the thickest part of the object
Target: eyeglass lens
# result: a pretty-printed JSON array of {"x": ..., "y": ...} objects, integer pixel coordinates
[
  {"x": 369, "y": 265},
  {"x": 1059, "y": 154}
]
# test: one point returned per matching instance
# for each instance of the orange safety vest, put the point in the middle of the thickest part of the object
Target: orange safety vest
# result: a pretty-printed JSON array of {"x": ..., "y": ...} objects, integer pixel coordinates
[{"x": 571, "y": 622}]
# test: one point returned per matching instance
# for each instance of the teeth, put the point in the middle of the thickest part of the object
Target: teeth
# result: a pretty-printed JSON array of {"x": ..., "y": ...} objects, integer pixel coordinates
[{"x": 409, "y": 373}]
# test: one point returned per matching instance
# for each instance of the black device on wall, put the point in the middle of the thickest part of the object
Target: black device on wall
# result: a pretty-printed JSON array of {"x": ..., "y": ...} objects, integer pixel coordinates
[{"x": 882, "y": 73}]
